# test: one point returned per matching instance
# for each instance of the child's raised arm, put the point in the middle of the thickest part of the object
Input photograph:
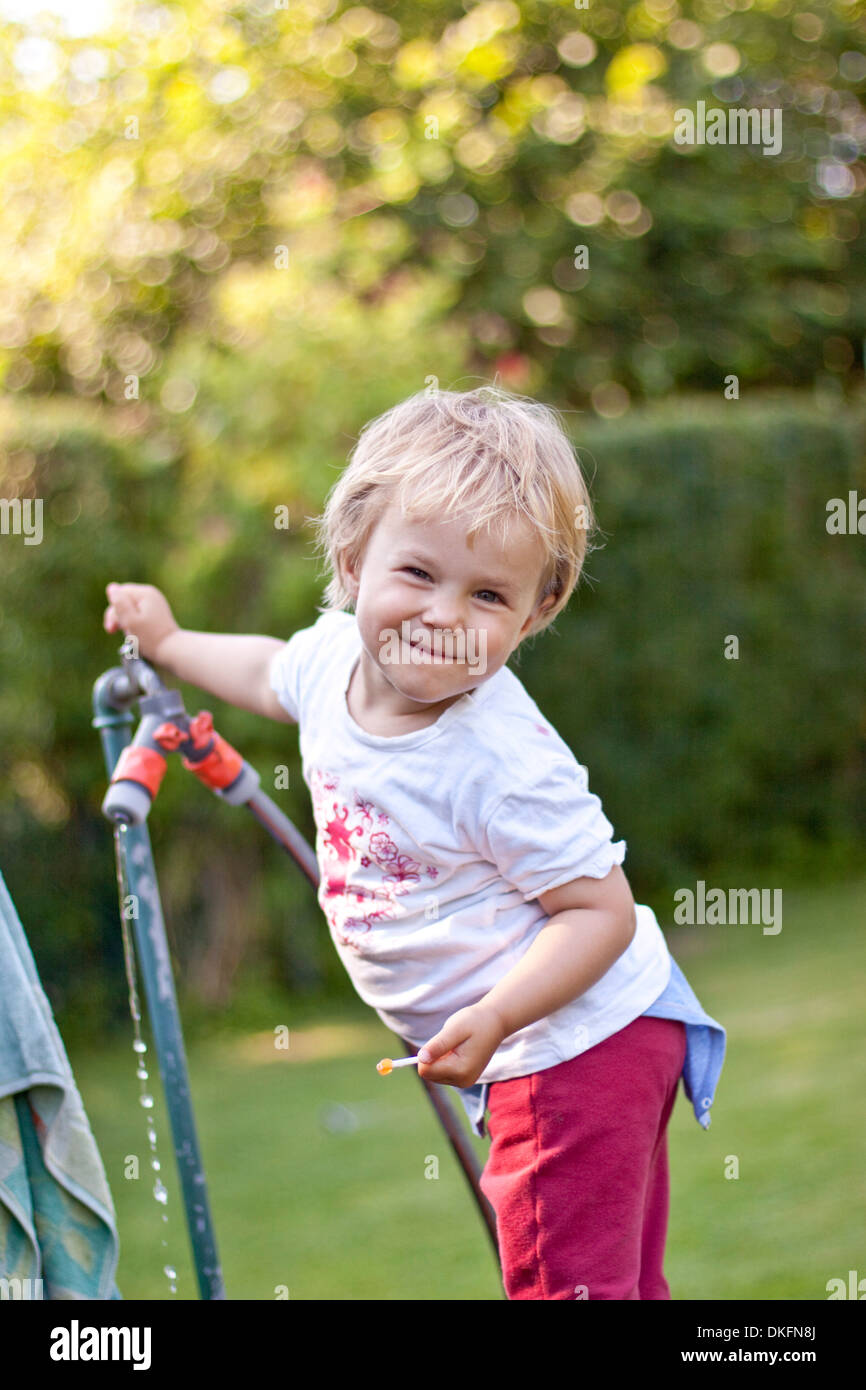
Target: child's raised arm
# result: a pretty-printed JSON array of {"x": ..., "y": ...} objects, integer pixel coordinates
[{"x": 234, "y": 668}]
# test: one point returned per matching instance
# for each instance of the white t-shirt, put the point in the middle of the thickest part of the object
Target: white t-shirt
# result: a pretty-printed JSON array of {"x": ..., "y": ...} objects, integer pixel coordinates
[{"x": 433, "y": 847}]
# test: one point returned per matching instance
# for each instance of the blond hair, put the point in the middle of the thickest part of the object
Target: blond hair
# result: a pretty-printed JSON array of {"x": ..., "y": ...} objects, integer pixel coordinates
[{"x": 486, "y": 454}]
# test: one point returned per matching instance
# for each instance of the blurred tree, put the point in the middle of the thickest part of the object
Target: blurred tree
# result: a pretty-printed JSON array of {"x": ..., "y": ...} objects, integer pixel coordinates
[{"x": 203, "y": 150}]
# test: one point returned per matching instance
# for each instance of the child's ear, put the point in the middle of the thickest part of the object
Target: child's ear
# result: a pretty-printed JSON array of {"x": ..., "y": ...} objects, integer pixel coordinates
[
  {"x": 537, "y": 613},
  {"x": 348, "y": 572},
  {"x": 549, "y": 601}
]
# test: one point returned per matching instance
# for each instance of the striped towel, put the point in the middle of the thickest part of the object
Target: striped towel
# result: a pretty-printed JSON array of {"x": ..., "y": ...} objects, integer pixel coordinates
[{"x": 58, "y": 1234}]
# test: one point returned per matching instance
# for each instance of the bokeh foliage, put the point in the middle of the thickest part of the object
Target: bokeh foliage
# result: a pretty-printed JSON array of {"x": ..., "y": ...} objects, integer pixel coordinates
[{"x": 152, "y": 172}]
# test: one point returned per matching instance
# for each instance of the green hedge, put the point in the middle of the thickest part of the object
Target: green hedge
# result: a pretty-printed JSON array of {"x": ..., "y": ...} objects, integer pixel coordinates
[{"x": 715, "y": 516}]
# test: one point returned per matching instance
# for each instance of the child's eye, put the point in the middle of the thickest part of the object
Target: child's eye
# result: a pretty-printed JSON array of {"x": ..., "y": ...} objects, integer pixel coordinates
[{"x": 412, "y": 569}]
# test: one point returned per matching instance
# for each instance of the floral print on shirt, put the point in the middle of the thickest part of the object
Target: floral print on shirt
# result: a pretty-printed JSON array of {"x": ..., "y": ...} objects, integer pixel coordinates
[{"x": 350, "y": 837}]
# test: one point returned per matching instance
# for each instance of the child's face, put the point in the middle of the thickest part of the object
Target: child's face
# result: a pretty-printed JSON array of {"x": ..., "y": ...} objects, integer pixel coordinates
[{"x": 420, "y": 585}]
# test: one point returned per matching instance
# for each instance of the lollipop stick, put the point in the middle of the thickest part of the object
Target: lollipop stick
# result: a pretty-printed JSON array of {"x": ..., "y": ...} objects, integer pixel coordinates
[{"x": 387, "y": 1065}]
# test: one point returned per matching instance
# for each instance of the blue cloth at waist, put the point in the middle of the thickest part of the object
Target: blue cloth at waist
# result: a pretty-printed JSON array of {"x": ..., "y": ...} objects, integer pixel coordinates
[{"x": 705, "y": 1052}]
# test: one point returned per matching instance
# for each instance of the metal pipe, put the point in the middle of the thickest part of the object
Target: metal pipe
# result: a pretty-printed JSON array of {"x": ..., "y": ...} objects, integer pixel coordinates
[
  {"x": 463, "y": 1150},
  {"x": 112, "y": 694},
  {"x": 281, "y": 829}
]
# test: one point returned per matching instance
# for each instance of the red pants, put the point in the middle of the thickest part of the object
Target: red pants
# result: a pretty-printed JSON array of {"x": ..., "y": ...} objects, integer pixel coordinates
[{"x": 578, "y": 1168}]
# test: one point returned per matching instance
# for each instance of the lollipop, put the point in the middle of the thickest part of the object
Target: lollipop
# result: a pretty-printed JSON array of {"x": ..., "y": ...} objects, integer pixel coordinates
[{"x": 386, "y": 1066}]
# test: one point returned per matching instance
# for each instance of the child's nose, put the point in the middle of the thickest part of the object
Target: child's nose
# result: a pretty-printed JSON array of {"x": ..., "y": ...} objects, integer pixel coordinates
[{"x": 444, "y": 611}]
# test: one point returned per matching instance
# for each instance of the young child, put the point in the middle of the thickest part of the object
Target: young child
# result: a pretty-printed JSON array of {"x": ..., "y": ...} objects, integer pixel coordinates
[{"x": 468, "y": 876}]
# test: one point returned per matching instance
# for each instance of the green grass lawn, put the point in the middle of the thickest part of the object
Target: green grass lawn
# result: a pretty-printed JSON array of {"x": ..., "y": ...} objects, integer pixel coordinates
[{"x": 316, "y": 1165}]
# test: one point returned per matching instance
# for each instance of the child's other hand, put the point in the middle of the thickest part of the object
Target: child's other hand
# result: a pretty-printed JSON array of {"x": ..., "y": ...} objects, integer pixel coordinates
[
  {"x": 470, "y": 1037},
  {"x": 142, "y": 611}
]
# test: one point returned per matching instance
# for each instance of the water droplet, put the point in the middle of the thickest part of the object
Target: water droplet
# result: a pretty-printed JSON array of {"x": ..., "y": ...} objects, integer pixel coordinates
[
  {"x": 146, "y": 1101},
  {"x": 160, "y": 1192},
  {"x": 172, "y": 1273},
  {"x": 141, "y": 1074},
  {"x": 154, "y": 1163},
  {"x": 139, "y": 1046}
]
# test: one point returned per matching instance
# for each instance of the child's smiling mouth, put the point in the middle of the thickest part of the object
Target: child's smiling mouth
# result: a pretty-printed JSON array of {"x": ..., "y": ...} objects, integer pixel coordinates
[{"x": 429, "y": 653}]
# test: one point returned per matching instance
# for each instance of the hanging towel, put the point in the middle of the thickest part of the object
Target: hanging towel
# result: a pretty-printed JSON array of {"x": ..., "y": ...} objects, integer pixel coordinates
[{"x": 57, "y": 1221}]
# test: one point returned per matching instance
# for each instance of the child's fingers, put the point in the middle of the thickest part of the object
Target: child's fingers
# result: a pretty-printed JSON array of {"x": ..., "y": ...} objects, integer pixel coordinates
[
  {"x": 125, "y": 603},
  {"x": 134, "y": 593},
  {"x": 455, "y": 1030},
  {"x": 446, "y": 1040},
  {"x": 446, "y": 1069},
  {"x": 116, "y": 616},
  {"x": 432, "y": 1050},
  {"x": 121, "y": 593},
  {"x": 117, "y": 597},
  {"x": 113, "y": 622}
]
